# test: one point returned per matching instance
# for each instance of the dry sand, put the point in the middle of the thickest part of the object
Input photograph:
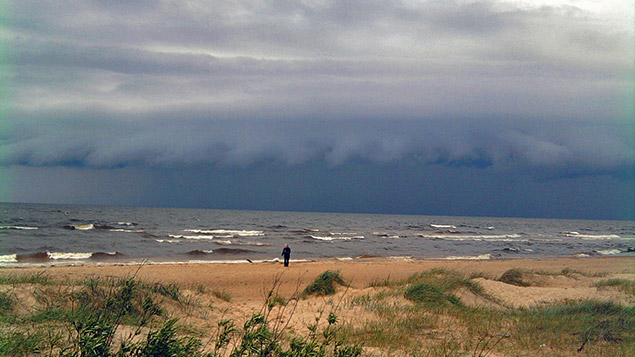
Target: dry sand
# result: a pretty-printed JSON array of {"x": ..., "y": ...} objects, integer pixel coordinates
[{"x": 245, "y": 283}]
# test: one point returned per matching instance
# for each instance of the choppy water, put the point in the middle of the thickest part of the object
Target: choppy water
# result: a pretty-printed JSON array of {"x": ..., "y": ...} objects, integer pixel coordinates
[{"x": 67, "y": 234}]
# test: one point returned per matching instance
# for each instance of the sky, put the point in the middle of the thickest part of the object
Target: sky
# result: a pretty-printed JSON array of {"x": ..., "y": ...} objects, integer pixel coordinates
[{"x": 478, "y": 108}]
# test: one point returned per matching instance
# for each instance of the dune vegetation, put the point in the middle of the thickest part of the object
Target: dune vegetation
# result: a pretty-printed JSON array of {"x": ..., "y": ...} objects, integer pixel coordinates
[{"x": 437, "y": 312}]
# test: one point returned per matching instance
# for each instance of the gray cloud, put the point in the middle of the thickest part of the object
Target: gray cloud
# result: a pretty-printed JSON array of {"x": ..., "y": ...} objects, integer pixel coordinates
[
  {"x": 101, "y": 140},
  {"x": 500, "y": 87},
  {"x": 293, "y": 60}
]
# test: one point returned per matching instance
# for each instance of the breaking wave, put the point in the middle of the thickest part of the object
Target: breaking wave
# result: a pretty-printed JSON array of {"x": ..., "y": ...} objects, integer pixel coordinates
[
  {"x": 591, "y": 236},
  {"x": 470, "y": 257},
  {"x": 228, "y": 242},
  {"x": 608, "y": 251},
  {"x": 444, "y": 226},
  {"x": 178, "y": 236},
  {"x": 9, "y": 258},
  {"x": 331, "y": 238},
  {"x": 80, "y": 227},
  {"x": 227, "y": 232},
  {"x": 21, "y": 228},
  {"x": 57, "y": 256},
  {"x": 478, "y": 237},
  {"x": 200, "y": 252}
]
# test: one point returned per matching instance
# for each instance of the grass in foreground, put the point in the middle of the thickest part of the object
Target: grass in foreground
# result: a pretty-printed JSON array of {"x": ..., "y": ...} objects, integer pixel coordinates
[
  {"x": 423, "y": 315},
  {"x": 82, "y": 319}
]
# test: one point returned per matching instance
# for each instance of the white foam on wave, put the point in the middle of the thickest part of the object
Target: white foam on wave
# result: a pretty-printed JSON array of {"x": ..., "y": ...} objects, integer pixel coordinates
[
  {"x": 178, "y": 236},
  {"x": 406, "y": 258},
  {"x": 168, "y": 241},
  {"x": 227, "y": 232},
  {"x": 344, "y": 259},
  {"x": 497, "y": 237},
  {"x": 84, "y": 227},
  {"x": 470, "y": 257},
  {"x": 126, "y": 230},
  {"x": 331, "y": 238},
  {"x": 69, "y": 256},
  {"x": 609, "y": 251},
  {"x": 446, "y": 226},
  {"x": 228, "y": 242},
  {"x": 22, "y": 228},
  {"x": 9, "y": 258},
  {"x": 591, "y": 236}
]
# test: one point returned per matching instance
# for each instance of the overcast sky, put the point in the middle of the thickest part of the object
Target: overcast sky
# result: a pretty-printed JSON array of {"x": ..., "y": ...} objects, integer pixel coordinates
[{"x": 497, "y": 108}]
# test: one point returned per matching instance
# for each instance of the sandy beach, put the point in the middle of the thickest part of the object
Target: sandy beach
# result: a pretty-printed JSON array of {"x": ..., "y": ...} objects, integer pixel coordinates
[
  {"x": 237, "y": 291},
  {"x": 245, "y": 282}
]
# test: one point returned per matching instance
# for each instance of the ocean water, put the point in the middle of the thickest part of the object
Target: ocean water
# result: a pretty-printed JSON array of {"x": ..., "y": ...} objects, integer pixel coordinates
[{"x": 38, "y": 234}]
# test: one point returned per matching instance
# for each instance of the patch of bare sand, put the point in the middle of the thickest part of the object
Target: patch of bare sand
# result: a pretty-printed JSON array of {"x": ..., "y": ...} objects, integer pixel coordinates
[{"x": 247, "y": 284}]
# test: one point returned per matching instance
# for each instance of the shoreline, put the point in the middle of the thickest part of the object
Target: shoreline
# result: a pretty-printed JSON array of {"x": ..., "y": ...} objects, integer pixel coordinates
[{"x": 41, "y": 260}]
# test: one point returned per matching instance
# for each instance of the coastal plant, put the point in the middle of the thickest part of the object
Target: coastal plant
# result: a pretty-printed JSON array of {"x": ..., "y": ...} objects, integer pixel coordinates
[
  {"x": 581, "y": 323},
  {"x": 263, "y": 333},
  {"x": 445, "y": 280},
  {"x": 430, "y": 295},
  {"x": 18, "y": 343},
  {"x": 324, "y": 284},
  {"x": 6, "y": 302},
  {"x": 222, "y": 295},
  {"x": 39, "y": 278},
  {"x": 171, "y": 290},
  {"x": 514, "y": 277},
  {"x": 436, "y": 287},
  {"x": 626, "y": 286},
  {"x": 163, "y": 342}
]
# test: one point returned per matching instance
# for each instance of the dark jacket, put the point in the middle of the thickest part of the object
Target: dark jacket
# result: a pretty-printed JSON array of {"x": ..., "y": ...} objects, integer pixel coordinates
[{"x": 286, "y": 252}]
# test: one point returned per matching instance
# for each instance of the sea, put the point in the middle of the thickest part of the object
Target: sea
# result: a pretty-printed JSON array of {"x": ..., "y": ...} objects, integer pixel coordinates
[{"x": 45, "y": 234}]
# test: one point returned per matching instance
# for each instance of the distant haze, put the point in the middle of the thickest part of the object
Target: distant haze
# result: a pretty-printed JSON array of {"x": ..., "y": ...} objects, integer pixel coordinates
[{"x": 495, "y": 108}]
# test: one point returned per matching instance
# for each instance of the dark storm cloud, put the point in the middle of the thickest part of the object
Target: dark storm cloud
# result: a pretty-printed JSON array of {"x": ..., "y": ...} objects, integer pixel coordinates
[{"x": 99, "y": 140}]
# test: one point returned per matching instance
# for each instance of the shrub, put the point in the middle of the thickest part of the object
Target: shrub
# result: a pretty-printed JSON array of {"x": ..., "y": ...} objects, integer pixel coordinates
[
  {"x": 324, "y": 284},
  {"x": 430, "y": 295}
]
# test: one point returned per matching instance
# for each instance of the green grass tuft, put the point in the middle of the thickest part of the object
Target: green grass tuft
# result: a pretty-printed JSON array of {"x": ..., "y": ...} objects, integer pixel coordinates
[
  {"x": 627, "y": 286},
  {"x": 431, "y": 295},
  {"x": 171, "y": 290},
  {"x": 324, "y": 284},
  {"x": 6, "y": 302},
  {"x": 36, "y": 278},
  {"x": 223, "y": 295}
]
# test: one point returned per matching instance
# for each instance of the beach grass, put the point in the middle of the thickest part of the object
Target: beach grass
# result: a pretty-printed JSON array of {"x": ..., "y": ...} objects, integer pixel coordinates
[
  {"x": 324, "y": 284},
  {"x": 432, "y": 320},
  {"x": 425, "y": 314},
  {"x": 627, "y": 286}
]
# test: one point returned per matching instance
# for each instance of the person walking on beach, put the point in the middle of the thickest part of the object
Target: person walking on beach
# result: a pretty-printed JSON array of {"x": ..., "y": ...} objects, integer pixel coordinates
[{"x": 286, "y": 253}]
